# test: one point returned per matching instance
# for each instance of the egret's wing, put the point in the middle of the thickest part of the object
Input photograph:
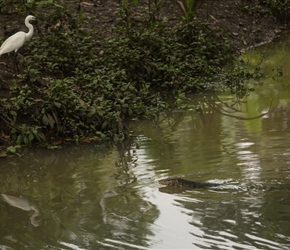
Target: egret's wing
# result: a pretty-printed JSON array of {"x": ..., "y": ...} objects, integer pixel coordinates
[
  {"x": 13, "y": 42},
  {"x": 18, "y": 202}
]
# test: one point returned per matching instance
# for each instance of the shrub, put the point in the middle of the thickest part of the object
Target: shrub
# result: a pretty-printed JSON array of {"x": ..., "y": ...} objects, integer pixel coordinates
[{"x": 76, "y": 84}]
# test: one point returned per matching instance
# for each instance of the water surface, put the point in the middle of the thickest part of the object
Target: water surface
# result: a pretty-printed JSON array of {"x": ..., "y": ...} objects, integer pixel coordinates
[{"x": 91, "y": 197}]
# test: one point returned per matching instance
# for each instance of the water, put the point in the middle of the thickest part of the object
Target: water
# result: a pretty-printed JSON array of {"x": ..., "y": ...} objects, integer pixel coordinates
[{"x": 87, "y": 197}]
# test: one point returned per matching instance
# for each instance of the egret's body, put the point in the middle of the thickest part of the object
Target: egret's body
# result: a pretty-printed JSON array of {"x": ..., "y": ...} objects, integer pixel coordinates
[{"x": 16, "y": 41}]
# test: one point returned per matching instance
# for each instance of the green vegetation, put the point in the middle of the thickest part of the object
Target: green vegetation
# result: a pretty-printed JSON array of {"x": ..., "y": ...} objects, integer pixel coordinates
[
  {"x": 77, "y": 84},
  {"x": 279, "y": 8},
  {"x": 189, "y": 7}
]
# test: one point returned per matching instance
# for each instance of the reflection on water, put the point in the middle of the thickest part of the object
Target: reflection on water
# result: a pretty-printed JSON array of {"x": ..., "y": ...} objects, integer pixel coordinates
[
  {"x": 24, "y": 204},
  {"x": 103, "y": 197}
]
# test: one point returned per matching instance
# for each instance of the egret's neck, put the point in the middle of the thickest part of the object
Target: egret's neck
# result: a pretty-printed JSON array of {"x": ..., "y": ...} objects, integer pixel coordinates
[
  {"x": 30, "y": 32},
  {"x": 33, "y": 218}
]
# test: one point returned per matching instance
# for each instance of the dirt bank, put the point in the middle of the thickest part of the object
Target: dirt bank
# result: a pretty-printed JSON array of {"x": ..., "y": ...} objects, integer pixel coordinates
[{"x": 247, "y": 22}]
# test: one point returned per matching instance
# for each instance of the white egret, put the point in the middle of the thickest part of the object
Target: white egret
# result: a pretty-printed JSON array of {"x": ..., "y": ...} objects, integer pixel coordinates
[{"x": 16, "y": 41}]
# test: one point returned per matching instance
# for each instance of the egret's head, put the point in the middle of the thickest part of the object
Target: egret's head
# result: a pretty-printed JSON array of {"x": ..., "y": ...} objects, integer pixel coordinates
[{"x": 30, "y": 18}]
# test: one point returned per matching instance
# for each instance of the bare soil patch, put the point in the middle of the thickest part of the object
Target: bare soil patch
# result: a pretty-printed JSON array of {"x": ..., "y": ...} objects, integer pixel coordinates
[{"x": 247, "y": 22}]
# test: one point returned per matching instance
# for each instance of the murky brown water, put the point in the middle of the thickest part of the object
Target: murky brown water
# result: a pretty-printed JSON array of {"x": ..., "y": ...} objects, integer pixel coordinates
[{"x": 84, "y": 197}]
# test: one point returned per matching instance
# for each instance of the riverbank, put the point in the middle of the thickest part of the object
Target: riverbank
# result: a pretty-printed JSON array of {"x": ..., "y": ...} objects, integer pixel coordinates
[{"x": 90, "y": 88}]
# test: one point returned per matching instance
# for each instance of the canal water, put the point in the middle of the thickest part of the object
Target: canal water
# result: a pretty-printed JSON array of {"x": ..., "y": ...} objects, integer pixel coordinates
[{"x": 102, "y": 197}]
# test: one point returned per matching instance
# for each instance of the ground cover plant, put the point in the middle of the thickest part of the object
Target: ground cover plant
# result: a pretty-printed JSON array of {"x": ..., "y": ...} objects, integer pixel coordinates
[
  {"x": 279, "y": 8},
  {"x": 81, "y": 85}
]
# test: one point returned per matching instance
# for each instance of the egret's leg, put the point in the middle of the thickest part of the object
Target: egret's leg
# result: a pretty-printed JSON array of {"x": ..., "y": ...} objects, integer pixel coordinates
[{"x": 15, "y": 62}]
